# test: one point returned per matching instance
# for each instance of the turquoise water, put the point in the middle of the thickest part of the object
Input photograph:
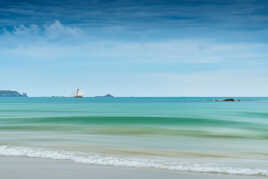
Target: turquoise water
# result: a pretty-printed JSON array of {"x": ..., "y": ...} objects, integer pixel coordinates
[{"x": 183, "y": 134}]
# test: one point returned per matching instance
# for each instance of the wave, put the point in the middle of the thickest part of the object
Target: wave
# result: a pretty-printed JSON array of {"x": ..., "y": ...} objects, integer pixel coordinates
[
  {"x": 96, "y": 159},
  {"x": 130, "y": 120},
  {"x": 141, "y": 125}
]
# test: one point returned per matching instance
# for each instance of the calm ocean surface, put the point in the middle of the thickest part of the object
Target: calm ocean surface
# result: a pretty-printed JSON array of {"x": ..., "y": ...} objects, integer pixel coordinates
[{"x": 183, "y": 134}]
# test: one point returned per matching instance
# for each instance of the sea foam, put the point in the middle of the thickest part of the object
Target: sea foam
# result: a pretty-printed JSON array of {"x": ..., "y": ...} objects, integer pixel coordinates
[{"x": 96, "y": 159}]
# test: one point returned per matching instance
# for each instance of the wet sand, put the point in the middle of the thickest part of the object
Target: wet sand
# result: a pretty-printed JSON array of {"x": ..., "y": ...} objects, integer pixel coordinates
[{"x": 34, "y": 168}]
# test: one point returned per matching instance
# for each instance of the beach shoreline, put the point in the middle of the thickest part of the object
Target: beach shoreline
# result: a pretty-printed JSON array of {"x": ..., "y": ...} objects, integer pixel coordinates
[{"x": 32, "y": 168}]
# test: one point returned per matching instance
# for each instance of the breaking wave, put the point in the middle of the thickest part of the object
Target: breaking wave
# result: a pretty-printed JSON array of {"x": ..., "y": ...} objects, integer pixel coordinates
[{"x": 96, "y": 159}]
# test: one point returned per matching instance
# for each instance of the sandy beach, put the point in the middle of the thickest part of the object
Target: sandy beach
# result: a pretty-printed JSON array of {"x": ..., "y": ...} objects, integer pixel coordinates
[{"x": 33, "y": 168}]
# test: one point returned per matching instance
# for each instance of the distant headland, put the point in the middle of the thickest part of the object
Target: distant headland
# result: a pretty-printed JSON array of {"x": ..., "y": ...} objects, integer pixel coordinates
[{"x": 11, "y": 93}]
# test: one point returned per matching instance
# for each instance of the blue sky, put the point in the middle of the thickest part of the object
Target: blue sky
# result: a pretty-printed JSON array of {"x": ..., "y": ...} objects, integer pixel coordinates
[{"x": 135, "y": 47}]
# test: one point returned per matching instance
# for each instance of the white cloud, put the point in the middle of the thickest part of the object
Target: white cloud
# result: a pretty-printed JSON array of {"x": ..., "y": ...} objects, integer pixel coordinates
[
  {"x": 54, "y": 31},
  {"x": 58, "y": 41},
  {"x": 57, "y": 30}
]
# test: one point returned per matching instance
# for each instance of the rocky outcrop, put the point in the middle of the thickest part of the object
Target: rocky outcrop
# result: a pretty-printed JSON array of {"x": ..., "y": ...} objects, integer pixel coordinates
[{"x": 228, "y": 100}]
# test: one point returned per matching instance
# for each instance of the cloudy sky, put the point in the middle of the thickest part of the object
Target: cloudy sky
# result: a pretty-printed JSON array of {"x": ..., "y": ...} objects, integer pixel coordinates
[{"x": 135, "y": 47}]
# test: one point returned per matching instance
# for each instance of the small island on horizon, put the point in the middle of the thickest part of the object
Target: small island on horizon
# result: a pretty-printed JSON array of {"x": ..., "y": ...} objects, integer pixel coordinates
[
  {"x": 105, "y": 96},
  {"x": 12, "y": 93}
]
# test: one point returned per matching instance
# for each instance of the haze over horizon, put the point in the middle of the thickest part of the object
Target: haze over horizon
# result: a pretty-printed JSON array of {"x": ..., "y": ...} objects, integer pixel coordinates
[{"x": 134, "y": 47}]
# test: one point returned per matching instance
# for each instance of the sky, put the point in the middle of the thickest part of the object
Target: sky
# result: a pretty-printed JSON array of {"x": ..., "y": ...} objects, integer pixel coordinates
[{"x": 134, "y": 47}]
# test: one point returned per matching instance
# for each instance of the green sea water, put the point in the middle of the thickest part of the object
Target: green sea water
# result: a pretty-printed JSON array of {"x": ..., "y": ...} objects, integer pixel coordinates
[{"x": 184, "y": 134}]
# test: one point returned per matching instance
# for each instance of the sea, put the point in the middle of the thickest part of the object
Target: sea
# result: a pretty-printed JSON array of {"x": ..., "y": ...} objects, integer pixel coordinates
[{"x": 183, "y": 134}]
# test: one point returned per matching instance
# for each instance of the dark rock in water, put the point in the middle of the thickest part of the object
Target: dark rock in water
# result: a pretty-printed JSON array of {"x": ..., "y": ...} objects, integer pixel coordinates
[
  {"x": 10, "y": 93},
  {"x": 228, "y": 100}
]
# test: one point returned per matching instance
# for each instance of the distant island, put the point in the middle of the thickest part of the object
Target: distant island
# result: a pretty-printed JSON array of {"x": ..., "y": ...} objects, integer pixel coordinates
[
  {"x": 10, "y": 93},
  {"x": 105, "y": 96}
]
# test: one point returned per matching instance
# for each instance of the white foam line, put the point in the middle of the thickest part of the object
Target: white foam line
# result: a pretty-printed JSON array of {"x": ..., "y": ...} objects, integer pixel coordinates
[{"x": 127, "y": 162}]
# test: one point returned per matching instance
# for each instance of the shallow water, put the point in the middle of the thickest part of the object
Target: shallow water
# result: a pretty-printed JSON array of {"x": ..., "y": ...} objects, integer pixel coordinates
[{"x": 184, "y": 134}]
